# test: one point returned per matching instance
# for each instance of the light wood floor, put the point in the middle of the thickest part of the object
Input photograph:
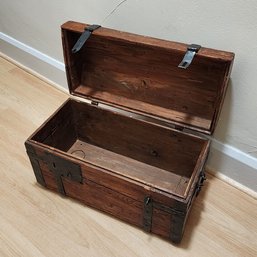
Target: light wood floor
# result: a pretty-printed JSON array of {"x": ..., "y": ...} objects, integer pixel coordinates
[{"x": 36, "y": 222}]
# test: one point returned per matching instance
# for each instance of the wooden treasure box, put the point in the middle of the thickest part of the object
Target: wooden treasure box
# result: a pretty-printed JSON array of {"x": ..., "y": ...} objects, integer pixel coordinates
[{"x": 136, "y": 149}]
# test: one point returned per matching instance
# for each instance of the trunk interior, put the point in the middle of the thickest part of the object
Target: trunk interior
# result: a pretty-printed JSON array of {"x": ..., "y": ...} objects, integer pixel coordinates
[{"x": 156, "y": 156}]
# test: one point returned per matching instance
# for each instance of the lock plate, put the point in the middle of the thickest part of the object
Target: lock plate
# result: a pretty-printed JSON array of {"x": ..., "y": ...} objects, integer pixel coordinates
[{"x": 62, "y": 168}]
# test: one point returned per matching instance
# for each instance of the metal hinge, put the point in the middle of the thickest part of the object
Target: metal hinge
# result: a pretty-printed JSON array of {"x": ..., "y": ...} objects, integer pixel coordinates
[
  {"x": 84, "y": 37},
  {"x": 188, "y": 58}
]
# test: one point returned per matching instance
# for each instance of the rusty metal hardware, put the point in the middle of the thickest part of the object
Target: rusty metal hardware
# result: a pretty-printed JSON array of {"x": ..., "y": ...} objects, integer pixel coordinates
[
  {"x": 189, "y": 56},
  {"x": 149, "y": 204},
  {"x": 84, "y": 37},
  {"x": 199, "y": 185},
  {"x": 148, "y": 213},
  {"x": 60, "y": 167}
]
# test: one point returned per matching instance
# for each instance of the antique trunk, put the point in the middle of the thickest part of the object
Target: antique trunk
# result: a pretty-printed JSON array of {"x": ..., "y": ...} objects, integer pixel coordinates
[{"x": 130, "y": 141}]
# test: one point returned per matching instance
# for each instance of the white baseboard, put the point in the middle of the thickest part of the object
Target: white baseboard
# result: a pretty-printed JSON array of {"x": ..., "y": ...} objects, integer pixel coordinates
[
  {"x": 34, "y": 73},
  {"x": 235, "y": 153},
  {"x": 35, "y": 60},
  {"x": 226, "y": 162},
  {"x": 32, "y": 51}
]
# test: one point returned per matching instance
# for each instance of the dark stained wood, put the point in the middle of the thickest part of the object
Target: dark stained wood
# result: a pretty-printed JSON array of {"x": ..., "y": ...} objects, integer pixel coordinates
[
  {"x": 124, "y": 145},
  {"x": 107, "y": 200},
  {"x": 113, "y": 161},
  {"x": 111, "y": 202},
  {"x": 59, "y": 130},
  {"x": 161, "y": 223},
  {"x": 141, "y": 74},
  {"x": 133, "y": 138},
  {"x": 118, "y": 175},
  {"x": 109, "y": 178},
  {"x": 155, "y": 42},
  {"x": 167, "y": 181},
  {"x": 49, "y": 178}
]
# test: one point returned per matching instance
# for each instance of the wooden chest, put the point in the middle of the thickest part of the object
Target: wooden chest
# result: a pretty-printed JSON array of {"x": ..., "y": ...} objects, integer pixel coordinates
[{"x": 130, "y": 142}]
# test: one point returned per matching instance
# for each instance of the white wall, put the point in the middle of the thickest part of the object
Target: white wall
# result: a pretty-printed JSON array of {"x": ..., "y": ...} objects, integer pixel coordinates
[{"x": 222, "y": 24}]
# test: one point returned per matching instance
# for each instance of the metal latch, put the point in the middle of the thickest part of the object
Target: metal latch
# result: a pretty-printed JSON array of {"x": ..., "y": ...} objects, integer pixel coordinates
[
  {"x": 188, "y": 58},
  {"x": 84, "y": 37},
  {"x": 35, "y": 164},
  {"x": 199, "y": 185}
]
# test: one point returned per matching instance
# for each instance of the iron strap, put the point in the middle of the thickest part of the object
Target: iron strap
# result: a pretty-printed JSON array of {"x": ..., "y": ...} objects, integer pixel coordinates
[
  {"x": 188, "y": 57},
  {"x": 149, "y": 205},
  {"x": 84, "y": 37},
  {"x": 35, "y": 164},
  {"x": 148, "y": 213},
  {"x": 59, "y": 167}
]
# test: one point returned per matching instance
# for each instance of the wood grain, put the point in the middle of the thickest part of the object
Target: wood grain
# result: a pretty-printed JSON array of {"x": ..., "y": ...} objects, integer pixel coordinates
[
  {"x": 168, "y": 166},
  {"x": 166, "y": 180},
  {"x": 36, "y": 222},
  {"x": 132, "y": 148},
  {"x": 141, "y": 74},
  {"x": 161, "y": 147}
]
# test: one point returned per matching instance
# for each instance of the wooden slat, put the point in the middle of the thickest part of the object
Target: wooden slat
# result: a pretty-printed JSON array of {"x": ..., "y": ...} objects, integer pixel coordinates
[
  {"x": 165, "y": 180},
  {"x": 158, "y": 146}
]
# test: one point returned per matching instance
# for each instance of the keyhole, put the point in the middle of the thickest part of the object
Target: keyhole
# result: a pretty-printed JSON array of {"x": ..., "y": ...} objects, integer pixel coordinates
[{"x": 54, "y": 164}]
